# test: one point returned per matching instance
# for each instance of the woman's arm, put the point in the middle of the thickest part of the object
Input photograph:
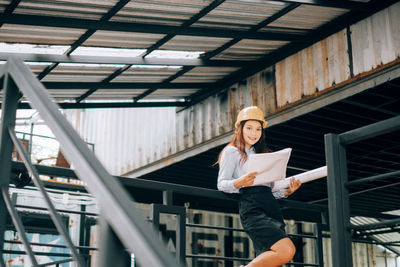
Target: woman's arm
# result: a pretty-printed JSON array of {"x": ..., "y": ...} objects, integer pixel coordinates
[
  {"x": 293, "y": 186},
  {"x": 245, "y": 180}
]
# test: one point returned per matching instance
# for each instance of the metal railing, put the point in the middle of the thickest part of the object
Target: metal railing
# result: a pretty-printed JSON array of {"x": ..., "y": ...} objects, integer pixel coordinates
[
  {"x": 338, "y": 194},
  {"x": 174, "y": 196},
  {"x": 123, "y": 226}
]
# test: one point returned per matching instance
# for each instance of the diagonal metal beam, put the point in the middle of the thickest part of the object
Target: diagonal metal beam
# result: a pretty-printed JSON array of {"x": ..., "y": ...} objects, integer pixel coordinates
[
  {"x": 76, "y": 23},
  {"x": 209, "y": 55},
  {"x": 232, "y": 42},
  {"x": 158, "y": 44},
  {"x": 10, "y": 8},
  {"x": 105, "y": 81},
  {"x": 166, "y": 81},
  {"x": 257, "y": 27},
  {"x": 328, "y": 3},
  {"x": 85, "y": 36},
  {"x": 188, "y": 23},
  {"x": 322, "y": 32}
]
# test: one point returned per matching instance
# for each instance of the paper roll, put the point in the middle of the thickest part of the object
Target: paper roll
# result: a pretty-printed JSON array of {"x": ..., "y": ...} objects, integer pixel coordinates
[{"x": 303, "y": 177}]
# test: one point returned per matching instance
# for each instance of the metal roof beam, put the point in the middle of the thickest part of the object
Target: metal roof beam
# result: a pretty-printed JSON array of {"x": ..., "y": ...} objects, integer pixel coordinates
[
  {"x": 187, "y": 24},
  {"x": 125, "y": 85},
  {"x": 10, "y": 8},
  {"x": 123, "y": 60},
  {"x": 255, "y": 28},
  {"x": 328, "y": 3},
  {"x": 85, "y": 36},
  {"x": 52, "y": 21},
  {"x": 211, "y": 54},
  {"x": 168, "y": 37},
  {"x": 25, "y": 105}
]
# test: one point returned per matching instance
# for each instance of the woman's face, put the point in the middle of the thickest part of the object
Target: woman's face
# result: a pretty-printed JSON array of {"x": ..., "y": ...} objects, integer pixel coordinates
[{"x": 252, "y": 131}]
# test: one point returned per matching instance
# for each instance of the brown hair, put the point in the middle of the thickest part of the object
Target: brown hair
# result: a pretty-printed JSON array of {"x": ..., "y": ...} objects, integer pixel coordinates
[{"x": 238, "y": 142}]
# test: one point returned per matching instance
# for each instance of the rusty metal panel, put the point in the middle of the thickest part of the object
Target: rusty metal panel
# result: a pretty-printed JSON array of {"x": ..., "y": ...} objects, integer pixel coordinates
[
  {"x": 313, "y": 69},
  {"x": 376, "y": 40}
]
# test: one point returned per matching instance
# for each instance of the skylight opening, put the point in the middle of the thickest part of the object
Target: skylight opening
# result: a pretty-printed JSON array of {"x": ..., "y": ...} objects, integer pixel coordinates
[
  {"x": 175, "y": 54},
  {"x": 91, "y": 65},
  {"x": 34, "y": 49},
  {"x": 37, "y": 63},
  {"x": 155, "y": 67},
  {"x": 107, "y": 52}
]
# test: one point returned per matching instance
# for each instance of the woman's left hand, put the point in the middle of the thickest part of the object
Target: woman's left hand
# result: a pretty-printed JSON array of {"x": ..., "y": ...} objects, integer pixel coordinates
[{"x": 293, "y": 186}]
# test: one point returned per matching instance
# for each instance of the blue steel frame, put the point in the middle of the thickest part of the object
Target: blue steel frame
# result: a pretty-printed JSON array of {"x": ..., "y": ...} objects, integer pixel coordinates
[{"x": 338, "y": 194}]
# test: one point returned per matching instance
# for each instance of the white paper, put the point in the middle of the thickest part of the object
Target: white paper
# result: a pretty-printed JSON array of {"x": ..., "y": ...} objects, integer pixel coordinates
[
  {"x": 270, "y": 166},
  {"x": 303, "y": 177}
]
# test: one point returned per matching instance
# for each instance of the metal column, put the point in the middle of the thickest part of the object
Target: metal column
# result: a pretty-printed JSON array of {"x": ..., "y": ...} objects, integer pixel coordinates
[
  {"x": 338, "y": 201},
  {"x": 111, "y": 250},
  {"x": 157, "y": 209},
  {"x": 10, "y": 100}
]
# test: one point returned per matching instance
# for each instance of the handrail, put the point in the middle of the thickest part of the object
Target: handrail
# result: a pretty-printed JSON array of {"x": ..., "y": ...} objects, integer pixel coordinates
[{"x": 115, "y": 204}]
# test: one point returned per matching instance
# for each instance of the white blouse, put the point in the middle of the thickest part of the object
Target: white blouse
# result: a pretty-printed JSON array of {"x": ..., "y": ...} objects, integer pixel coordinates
[{"x": 230, "y": 169}]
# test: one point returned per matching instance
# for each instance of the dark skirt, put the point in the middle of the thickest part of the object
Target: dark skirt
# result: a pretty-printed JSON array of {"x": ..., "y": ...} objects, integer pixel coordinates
[{"x": 261, "y": 217}]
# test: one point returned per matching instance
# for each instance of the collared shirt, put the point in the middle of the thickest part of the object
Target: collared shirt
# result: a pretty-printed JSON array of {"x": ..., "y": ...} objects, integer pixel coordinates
[{"x": 230, "y": 168}]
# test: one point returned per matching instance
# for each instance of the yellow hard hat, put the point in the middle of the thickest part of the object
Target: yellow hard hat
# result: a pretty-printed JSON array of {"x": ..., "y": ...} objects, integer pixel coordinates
[{"x": 251, "y": 113}]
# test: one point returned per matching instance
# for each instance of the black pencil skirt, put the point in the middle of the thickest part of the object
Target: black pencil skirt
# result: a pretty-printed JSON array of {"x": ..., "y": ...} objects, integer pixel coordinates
[{"x": 261, "y": 217}]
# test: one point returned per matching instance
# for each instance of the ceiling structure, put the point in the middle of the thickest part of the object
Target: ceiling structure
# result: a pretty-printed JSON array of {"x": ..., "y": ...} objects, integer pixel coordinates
[{"x": 165, "y": 52}]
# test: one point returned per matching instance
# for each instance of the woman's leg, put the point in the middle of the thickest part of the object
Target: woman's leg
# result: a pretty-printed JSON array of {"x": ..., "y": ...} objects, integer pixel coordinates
[{"x": 280, "y": 253}]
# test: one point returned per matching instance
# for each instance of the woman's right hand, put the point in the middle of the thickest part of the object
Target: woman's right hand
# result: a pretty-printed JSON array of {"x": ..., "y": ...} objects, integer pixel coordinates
[{"x": 246, "y": 180}]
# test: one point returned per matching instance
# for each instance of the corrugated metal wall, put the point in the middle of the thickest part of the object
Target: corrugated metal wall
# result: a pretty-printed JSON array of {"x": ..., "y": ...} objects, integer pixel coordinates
[
  {"x": 313, "y": 69},
  {"x": 376, "y": 40},
  {"x": 127, "y": 139}
]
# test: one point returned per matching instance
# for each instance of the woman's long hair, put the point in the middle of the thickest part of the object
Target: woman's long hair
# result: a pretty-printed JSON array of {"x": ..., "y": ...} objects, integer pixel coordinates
[{"x": 238, "y": 142}]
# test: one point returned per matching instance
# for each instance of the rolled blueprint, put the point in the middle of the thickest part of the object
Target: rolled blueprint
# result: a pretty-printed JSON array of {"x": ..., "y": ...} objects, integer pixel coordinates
[{"x": 303, "y": 177}]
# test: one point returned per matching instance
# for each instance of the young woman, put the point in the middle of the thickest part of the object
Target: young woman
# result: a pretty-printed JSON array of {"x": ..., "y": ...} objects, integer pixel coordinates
[{"x": 259, "y": 210}]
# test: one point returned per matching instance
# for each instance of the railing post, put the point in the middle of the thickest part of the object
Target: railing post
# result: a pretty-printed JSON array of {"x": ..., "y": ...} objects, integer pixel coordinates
[
  {"x": 228, "y": 242},
  {"x": 319, "y": 249},
  {"x": 156, "y": 210},
  {"x": 9, "y": 104},
  {"x": 338, "y": 201},
  {"x": 111, "y": 250}
]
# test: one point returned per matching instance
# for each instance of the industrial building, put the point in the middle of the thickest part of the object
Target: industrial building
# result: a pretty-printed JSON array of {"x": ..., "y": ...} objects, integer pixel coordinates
[{"x": 114, "y": 112}]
